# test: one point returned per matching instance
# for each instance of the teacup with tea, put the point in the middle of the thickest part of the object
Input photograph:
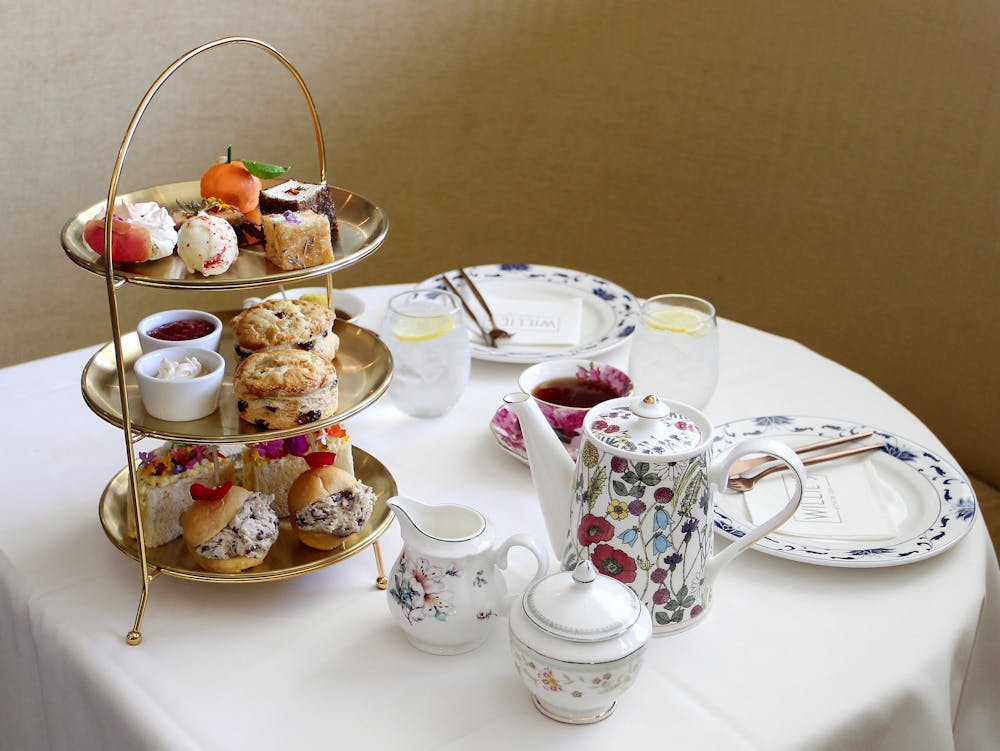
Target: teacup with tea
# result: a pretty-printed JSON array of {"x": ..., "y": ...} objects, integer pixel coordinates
[{"x": 565, "y": 390}]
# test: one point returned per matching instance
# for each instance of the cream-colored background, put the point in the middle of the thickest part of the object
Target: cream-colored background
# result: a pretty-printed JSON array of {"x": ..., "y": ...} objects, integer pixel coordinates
[{"x": 825, "y": 171}]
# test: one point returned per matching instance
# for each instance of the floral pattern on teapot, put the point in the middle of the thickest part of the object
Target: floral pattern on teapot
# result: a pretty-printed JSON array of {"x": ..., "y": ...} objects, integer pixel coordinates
[
  {"x": 675, "y": 433},
  {"x": 647, "y": 526}
]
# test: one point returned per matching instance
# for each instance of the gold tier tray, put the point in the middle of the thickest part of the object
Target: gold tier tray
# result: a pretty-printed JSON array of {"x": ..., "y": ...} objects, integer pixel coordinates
[
  {"x": 287, "y": 558},
  {"x": 362, "y": 227},
  {"x": 364, "y": 369}
]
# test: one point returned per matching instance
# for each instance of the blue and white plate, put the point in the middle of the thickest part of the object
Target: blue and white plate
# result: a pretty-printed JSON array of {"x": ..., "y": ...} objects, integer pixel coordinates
[
  {"x": 937, "y": 506},
  {"x": 608, "y": 311}
]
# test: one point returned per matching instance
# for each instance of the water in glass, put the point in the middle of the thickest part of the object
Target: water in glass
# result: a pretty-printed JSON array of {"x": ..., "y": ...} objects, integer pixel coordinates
[
  {"x": 430, "y": 350},
  {"x": 675, "y": 350}
]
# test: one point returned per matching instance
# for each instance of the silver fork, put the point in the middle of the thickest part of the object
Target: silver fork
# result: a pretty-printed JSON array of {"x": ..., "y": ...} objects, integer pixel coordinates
[
  {"x": 496, "y": 332},
  {"x": 742, "y": 484}
]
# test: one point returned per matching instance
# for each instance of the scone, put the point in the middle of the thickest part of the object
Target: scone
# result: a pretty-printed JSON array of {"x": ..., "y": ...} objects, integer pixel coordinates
[
  {"x": 297, "y": 239},
  {"x": 286, "y": 324},
  {"x": 285, "y": 388}
]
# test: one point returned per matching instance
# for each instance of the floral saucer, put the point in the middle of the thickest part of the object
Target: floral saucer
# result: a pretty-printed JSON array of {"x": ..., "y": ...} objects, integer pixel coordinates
[{"x": 506, "y": 432}]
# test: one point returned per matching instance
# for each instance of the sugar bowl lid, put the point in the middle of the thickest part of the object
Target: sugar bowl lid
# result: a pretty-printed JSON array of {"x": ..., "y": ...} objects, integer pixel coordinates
[
  {"x": 582, "y": 606},
  {"x": 647, "y": 426}
]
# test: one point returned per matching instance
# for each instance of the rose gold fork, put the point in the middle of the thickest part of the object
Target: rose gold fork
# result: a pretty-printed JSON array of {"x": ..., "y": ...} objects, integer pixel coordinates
[
  {"x": 496, "y": 332},
  {"x": 741, "y": 484},
  {"x": 743, "y": 465}
]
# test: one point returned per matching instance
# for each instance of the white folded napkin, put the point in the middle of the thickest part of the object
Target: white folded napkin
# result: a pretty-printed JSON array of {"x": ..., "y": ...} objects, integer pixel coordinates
[
  {"x": 538, "y": 322},
  {"x": 846, "y": 499}
]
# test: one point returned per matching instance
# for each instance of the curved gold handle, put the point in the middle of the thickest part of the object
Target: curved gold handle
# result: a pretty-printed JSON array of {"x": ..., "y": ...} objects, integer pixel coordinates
[{"x": 135, "y": 636}]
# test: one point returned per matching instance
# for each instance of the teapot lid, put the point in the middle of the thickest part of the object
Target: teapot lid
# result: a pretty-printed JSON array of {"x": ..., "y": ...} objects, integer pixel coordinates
[
  {"x": 644, "y": 426},
  {"x": 582, "y": 606}
]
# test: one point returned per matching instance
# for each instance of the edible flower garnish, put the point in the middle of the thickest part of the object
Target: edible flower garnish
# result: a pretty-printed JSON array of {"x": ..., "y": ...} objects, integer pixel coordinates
[
  {"x": 291, "y": 217},
  {"x": 295, "y": 446},
  {"x": 319, "y": 459},
  {"x": 205, "y": 493},
  {"x": 180, "y": 457}
]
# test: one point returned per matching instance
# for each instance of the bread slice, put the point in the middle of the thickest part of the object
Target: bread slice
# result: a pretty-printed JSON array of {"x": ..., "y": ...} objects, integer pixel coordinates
[{"x": 165, "y": 477}]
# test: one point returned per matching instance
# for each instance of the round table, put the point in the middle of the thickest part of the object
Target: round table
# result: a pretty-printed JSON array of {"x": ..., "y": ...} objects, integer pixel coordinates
[{"x": 791, "y": 656}]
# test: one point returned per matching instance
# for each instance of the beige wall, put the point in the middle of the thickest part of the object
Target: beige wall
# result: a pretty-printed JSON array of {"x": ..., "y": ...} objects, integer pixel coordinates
[{"x": 825, "y": 171}]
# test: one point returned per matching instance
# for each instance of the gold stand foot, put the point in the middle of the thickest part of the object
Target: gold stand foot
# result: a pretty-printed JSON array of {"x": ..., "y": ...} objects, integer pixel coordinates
[
  {"x": 381, "y": 582},
  {"x": 134, "y": 637}
]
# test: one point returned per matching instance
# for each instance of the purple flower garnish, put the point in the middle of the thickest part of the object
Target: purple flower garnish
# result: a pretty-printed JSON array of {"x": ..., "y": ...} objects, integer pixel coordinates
[{"x": 291, "y": 217}]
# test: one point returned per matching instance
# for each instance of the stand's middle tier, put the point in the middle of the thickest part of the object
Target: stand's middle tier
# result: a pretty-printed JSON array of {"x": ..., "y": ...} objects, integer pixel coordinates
[{"x": 364, "y": 369}]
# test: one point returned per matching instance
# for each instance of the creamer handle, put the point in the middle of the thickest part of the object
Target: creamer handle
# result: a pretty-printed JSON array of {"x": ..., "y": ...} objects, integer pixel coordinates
[{"x": 541, "y": 559}]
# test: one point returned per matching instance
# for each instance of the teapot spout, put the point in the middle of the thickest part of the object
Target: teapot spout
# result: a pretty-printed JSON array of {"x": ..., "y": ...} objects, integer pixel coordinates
[{"x": 551, "y": 469}]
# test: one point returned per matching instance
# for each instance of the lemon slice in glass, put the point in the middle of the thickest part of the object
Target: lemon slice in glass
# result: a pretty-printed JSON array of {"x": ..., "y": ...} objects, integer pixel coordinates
[
  {"x": 678, "y": 320},
  {"x": 422, "y": 329}
]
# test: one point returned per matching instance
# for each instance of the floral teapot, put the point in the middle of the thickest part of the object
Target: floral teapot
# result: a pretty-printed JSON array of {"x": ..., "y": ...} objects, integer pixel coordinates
[{"x": 638, "y": 503}]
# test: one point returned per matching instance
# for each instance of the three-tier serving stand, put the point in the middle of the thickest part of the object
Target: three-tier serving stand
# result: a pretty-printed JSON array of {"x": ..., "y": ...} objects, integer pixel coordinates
[{"x": 364, "y": 367}]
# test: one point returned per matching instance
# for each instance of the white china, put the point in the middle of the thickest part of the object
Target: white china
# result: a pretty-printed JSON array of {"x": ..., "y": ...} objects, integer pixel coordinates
[
  {"x": 638, "y": 502},
  {"x": 446, "y": 585},
  {"x": 578, "y": 640},
  {"x": 348, "y": 302},
  {"x": 148, "y": 343},
  {"x": 933, "y": 506},
  {"x": 675, "y": 349},
  {"x": 608, "y": 311},
  {"x": 185, "y": 399}
]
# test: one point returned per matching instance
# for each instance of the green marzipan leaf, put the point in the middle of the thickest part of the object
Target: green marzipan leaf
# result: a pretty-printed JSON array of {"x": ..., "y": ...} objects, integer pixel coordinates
[{"x": 263, "y": 170}]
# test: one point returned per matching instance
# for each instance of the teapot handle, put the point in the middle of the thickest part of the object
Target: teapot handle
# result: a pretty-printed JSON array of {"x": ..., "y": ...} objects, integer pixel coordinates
[
  {"x": 528, "y": 542},
  {"x": 719, "y": 474}
]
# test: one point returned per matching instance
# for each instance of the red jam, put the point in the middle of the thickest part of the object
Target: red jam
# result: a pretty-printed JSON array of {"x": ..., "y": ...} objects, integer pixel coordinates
[{"x": 183, "y": 330}]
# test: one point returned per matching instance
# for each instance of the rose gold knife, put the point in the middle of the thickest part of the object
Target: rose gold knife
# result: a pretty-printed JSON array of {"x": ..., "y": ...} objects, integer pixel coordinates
[{"x": 744, "y": 464}]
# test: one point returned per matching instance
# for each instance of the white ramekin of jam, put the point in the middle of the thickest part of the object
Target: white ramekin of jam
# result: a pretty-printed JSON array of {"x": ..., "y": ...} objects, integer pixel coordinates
[{"x": 179, "y": 328}]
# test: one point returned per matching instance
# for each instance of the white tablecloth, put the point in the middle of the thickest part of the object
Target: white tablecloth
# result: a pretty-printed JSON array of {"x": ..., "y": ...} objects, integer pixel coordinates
[{"x": 792, "y": 656}]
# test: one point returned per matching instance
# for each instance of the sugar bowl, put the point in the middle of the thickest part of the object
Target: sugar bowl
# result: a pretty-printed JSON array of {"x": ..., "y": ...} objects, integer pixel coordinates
[{"x": 578, "y": 640}]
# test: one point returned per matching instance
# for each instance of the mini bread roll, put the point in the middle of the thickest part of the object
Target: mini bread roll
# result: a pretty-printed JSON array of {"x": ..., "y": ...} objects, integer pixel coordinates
[
  {"x": 205, "y": 519},
  {"x": 320, "y": 483}
]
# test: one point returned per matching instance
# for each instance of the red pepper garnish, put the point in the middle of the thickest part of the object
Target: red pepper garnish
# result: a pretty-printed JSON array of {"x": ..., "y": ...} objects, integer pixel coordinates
[
  {"x": 319, "y": 459},
  {"x": 205, "y": 493}
]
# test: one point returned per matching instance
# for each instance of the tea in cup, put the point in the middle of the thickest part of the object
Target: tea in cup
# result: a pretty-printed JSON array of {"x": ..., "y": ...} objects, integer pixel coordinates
[{"x": 565, "y": 390}]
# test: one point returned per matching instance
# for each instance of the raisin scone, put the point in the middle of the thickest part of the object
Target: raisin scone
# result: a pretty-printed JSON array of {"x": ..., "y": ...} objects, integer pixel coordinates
[
  {"x": 285, "y": 388},
  {"x": 285, "y": 324}
]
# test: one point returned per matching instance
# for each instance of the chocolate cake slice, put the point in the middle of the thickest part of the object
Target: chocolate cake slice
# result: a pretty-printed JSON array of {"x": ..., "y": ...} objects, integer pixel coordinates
[{"x": 292, "y": 195}]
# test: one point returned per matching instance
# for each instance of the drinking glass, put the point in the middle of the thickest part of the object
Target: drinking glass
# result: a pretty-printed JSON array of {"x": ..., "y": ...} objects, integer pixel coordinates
[
  {"x": 675, "y": 349},
  {"x": 425, "y": 332}
]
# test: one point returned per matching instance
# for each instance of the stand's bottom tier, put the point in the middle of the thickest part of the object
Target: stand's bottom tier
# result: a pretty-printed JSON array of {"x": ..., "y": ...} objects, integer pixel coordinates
[{"x": 287, "y": 558}]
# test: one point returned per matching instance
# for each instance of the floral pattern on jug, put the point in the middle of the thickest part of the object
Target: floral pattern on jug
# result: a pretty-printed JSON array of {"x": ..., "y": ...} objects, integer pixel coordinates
[
  {"x": 647, "y": 526},
  {"x": 446, "y": 586},
  {"x": 421, "y": 589}
]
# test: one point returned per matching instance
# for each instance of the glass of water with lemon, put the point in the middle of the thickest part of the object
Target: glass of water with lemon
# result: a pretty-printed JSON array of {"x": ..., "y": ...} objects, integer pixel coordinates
[
  {"x": 423, "y": 329},
  {"x": 675, "y": 350}
]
